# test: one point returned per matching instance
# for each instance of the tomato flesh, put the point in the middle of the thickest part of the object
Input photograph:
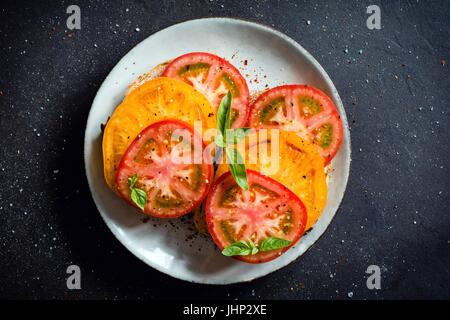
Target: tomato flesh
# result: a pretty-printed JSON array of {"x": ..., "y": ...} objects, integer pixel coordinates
[
  {"x": 300, "y": 168},
  {"x": 155, "y": 100},
  {"x": 267, "y": 209},
  {"x": 303, "y": 109},
  {"x": 214, "y": 77},
  {"x": 162, "y": 157}
]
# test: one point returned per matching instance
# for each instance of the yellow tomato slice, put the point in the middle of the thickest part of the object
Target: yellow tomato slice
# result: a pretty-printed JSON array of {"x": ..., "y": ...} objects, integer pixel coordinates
[
  {"x": 155, "y": 100},
  {"x": 300, "y": 168}
]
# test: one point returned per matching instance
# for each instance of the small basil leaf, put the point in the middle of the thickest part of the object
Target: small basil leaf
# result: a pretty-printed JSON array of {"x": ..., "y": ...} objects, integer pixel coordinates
[
  {"x": 132, "y": 180},
  {"x": 237, "y": 249},
  {"x": 228, "y": 118},
  {"x": 273, "y": 243},
  {"x": 237, "y": 167},
  {"x": 253, "y": 247},
  {"x": 223, "y": 113},
  {"x": 139, "y": 197},
  {"x": 219, "y": 140}
]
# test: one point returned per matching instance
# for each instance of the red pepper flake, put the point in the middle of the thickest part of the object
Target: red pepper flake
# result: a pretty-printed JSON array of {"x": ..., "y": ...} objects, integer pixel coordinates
[
  {"x": 443, "y": 62},
  {"x": 245, "y": 62}
]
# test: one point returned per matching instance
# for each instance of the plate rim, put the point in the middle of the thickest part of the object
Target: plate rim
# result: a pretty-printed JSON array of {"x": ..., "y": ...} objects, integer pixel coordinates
[{"x": 310, "y": 58}]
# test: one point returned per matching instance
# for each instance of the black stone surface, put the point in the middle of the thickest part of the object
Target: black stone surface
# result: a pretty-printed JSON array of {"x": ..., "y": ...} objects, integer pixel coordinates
[{"x": 396, "y": 92}]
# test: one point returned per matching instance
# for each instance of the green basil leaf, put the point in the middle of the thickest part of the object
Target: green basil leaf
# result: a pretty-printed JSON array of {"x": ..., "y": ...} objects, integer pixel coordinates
[
  {"x": 223, "y": 114},
  {"x": 219, "y": 140},
  {"x": 237, "y": 249},
  {"x": 253, "y": 247},
  {"x": 132, "y": 181},
  {"x": 228, "y": 118},
  {"x": 273, "y": 243},
  {"x": 237, "y": 167},
  {"x": 139, "y": 197}
]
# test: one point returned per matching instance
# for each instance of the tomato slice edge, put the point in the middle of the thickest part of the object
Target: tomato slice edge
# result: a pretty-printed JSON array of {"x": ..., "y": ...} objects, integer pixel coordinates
[
  {"x": 291, "y": 92},
  {"x": 262, "y": 256},
  {"x": 240, "y": 103},
  {"x": 209, "y": 174}
]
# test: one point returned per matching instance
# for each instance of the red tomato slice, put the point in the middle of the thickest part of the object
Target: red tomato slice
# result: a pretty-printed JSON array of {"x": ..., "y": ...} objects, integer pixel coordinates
[
  {"x": 267, "y": 209},
  {"x": 303, "y": 109},
  {"x": 214, "y": 77},
  {"x": 162, "y": 158}
]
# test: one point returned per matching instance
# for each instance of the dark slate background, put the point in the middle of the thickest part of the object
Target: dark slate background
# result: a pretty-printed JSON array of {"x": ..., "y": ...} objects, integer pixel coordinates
[{"x": 396, "y": 92}]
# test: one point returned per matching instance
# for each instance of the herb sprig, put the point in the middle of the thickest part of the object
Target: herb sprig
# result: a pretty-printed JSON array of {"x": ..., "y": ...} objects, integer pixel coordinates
[
  {"x": 226, "y": 138},
  {"x": 246, "y": 248},
  {"x": 138, "y": 196}
]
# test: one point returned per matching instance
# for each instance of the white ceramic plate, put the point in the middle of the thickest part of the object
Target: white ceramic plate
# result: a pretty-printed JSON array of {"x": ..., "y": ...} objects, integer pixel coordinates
[{"x": 172, "y": 246}]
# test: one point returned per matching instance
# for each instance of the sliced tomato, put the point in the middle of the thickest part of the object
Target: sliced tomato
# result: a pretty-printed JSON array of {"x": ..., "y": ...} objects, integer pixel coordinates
[
  {"x": 162, "y": 157},
  {"x": 214, "y": 77},
  {"x": 303, "y": 109},
  {"x": 267, "y": 209},
  {"x": 300, "y": 168},
  {"x": 156, "y": 100}
]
